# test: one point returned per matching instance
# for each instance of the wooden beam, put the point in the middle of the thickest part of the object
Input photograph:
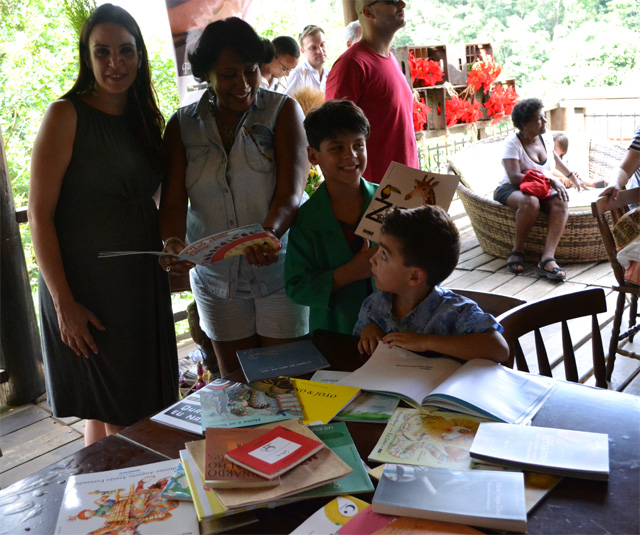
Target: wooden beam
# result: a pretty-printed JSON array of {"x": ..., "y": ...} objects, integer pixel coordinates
[{"x": 20, "y": 351}]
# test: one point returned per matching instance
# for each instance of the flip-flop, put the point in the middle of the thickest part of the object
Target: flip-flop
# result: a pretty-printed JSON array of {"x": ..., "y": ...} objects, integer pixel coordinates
[
  {"x": 553, "y": 275},
  {"x": 511, "y": 266}
]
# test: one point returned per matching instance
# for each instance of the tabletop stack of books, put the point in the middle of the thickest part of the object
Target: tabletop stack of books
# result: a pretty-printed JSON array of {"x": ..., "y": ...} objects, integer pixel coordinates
[{"x": 278, "y": 439}]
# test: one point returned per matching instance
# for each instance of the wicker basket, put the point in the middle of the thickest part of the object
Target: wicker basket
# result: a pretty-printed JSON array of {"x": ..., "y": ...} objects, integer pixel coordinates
[{"x": 494, "y": 223}]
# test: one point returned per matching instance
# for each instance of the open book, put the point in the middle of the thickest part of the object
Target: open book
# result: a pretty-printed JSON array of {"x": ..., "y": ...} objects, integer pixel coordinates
[
  {"x": 213, "y": 248},
  {"x": 405, "y": 187},
  {"x": 478, "y": 387}
]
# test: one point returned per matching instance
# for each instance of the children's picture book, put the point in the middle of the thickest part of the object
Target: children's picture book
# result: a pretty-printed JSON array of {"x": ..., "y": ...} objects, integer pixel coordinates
[
  {"x": 427, "y": 438},
  {"x": 177, "y": 488},
  {"x": 320, "y": 402},
  {"x": 216, "y": 470},
  {"x": 331, "y": 516},
  {"x": 127, "y": 500},
  {"x": 186, "y": 413},
  {"x": 479, "y": 498},
  {"x": 213, "y": 248},
  {"x": 320, "y": 469},
  {"x": 288, "y": 360},
  {"x": 274, "y": 452},
  {"x": 367, "y": 407},
  {"x": 366, "y": 522},
  {"x": 241, "y": 405},
  {"x": 561, "y": 452},
  {"x": 478, "y": 387},
  {"x": 405, "y": 187}
]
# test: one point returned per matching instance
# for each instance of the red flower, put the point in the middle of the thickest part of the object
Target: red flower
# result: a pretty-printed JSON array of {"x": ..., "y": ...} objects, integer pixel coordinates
[
  {"x": 425, "y": 70},
  {"x": 501, "y": 101},
  {"x": 483, "y": 72},
  {"x": 420, "y": 111},
  {"x": 462, "y": 111}
]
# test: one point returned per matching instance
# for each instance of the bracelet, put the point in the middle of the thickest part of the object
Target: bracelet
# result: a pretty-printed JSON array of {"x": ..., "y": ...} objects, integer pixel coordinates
[
  {"x": 174, "y": 239},
  {"x": 273, "y": 231},
  {"x": 570, "y": 174}
]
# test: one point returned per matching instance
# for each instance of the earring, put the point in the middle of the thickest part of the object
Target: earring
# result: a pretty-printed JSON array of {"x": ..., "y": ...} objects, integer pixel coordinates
[{"x": 212, "y": 96}]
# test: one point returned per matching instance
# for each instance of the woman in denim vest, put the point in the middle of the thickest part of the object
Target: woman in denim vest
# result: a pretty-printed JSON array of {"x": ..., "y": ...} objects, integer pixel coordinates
[{"x": 236, "y": 157}]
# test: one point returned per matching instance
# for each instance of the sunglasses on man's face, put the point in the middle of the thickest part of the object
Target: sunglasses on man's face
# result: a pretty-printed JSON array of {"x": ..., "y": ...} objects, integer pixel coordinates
[{"x": 388, "y": 2}]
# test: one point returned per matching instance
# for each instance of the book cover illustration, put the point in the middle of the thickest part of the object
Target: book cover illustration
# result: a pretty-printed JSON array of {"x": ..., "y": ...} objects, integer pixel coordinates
[
  {"x": 177, "y": 488},
  {"x": 405, "y": 187},
  {"x": 331, "y": 516},
  {"x": 213, "y": 248},
  {"x": 242, "y": 405},
  {"x": 481, "y": 498},
  {"x": 289, "y": 360},
  {"x": 555, "y": 451},
  {"x": 367, "y": 407},
  {"x": 320, "y": 402},
  {"x": 124, "y": 501},
  {"x": 186, "y": 414},
  {"x": 274, "y": 452},
  {"x": 435, "y": 438}
]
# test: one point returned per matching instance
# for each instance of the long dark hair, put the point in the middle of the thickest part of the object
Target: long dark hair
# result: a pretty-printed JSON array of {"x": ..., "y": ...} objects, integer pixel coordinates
[{"x": 142, "y": 109}]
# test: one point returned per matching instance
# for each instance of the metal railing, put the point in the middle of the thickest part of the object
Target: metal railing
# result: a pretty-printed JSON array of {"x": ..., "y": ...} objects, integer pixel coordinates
[{"x": 614, "y": 126}]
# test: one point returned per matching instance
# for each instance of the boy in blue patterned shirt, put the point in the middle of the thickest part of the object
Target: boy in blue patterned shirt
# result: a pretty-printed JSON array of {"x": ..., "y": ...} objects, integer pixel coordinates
[{"x": 418, "y": 249}]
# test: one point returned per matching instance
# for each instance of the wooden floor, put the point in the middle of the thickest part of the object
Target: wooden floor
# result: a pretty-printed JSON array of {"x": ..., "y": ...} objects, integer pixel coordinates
[{"x": 31, "y": 438}]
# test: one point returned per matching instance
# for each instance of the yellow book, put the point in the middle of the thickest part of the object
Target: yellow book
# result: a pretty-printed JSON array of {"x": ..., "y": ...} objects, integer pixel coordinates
[
  {"x": 320, "y": 402},
  {"x": 205, "y": 501}
]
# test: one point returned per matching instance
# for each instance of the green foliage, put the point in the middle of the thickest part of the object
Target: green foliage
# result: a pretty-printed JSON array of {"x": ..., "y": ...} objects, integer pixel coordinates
[{"x": 77, "y": 11}]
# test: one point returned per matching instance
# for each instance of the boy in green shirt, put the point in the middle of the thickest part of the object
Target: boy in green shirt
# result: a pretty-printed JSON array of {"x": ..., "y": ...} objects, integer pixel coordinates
[{"x": 327, "y": 266}]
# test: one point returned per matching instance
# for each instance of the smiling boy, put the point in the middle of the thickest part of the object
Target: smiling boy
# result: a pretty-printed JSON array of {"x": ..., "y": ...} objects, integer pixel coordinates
[
  {"x": 418, "y": 249},
  {"x": 328, "y": 267}
]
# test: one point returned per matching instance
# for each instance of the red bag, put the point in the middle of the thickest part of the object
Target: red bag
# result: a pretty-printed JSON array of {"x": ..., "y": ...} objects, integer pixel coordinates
[{"x": 535, "y": 183}]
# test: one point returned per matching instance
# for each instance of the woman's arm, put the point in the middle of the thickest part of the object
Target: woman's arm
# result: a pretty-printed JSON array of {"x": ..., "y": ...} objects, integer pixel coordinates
[
  {"x": 629, "y": 165},
  {"x": 50, "y": 159},
  {"x": 292, "y": 170},
  {"x": 174, "y": 200},
  {"x": 512, "y": 167}
]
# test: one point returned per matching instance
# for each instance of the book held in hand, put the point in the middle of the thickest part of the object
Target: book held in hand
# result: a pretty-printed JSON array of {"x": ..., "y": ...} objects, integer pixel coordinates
[
  {"x": 405, "y": 187},
  {"x": 214, "y": 248},
  {"x": 479, "y": 498},
  {"x": 287, "y": 360},
  {"x": 275, "y": 452},
  {"x": 445, "y": 383},
  {"x": 560, "y": 452}
]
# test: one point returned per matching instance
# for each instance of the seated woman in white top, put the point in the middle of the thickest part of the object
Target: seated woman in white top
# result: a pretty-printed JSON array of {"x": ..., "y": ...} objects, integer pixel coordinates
[{"x": 529, "y": 149}]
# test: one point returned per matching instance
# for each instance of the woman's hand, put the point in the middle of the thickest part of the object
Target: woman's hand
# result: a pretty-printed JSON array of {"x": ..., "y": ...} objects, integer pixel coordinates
[
  {"x": 562, "y": 191},
  {"x": 265, "y": 254},
  {"x": 611, "y": 191},
  {"x": 171, "y": 264},
  {"x": 74, "y": 320}
]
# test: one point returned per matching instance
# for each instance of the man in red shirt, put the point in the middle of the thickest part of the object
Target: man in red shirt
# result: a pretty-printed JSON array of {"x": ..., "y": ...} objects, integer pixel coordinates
[{"x": 369, "y": 75}]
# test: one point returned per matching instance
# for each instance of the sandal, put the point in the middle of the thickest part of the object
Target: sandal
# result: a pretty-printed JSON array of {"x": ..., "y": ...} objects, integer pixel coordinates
[
  {"x": 555, "y": 274},
  {"x": 516, "y": 266}
]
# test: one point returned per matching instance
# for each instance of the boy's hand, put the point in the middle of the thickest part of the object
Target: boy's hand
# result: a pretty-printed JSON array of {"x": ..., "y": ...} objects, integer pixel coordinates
[
  {"x": 407, "y": 340},
  {"x": 369, "y": 337},
  {"x": 361, "y": 261}
]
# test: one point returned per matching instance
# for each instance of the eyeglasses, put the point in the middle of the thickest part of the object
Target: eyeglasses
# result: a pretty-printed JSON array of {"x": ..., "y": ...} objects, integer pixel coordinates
[
  {"x": 285, "y": 70},
  {"x": 388, "y": 2}
]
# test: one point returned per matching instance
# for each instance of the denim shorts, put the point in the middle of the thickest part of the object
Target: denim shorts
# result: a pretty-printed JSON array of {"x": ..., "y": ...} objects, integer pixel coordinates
[
  {"x": 502, "y": 192},
  {"x": 242, "y": 316}
]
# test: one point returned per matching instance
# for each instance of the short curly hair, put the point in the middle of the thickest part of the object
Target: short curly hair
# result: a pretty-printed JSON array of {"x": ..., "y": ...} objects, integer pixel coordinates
[
  {"x": 524, "y": 111},
  {"x": 233, "y": 33},
  {"x": 429, "y": 239}
]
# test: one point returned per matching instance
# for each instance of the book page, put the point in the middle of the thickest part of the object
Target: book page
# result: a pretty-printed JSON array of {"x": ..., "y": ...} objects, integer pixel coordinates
[
  {"x": 488, "y": 389},
  {"x": 405, "y": 374}
]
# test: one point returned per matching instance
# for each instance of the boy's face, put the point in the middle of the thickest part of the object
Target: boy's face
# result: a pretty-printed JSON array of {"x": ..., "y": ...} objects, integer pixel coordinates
[
  {"x": 387, "y": 266},
  {"x": 342, "y": 159}
]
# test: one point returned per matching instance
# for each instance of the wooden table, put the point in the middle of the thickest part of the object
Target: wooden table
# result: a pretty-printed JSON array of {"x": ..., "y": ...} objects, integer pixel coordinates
[{"x": 575, "y": 506}]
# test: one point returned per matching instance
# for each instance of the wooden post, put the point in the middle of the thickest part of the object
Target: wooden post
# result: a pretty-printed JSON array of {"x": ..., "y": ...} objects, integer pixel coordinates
[
  {"x": 349, "y": 11},
  {"x": 20, "y": 350}
]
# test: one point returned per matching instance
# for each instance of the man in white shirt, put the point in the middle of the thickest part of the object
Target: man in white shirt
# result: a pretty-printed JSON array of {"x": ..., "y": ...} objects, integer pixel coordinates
[
  {"x": 311, "y": 72},
  {"x": 282, "y": 56}
]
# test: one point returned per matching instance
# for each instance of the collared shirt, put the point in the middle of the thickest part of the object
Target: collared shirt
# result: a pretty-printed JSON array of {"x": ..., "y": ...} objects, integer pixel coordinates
[
  {"x": 304, "y": 75},
  {"x": 441, "y": 312}
]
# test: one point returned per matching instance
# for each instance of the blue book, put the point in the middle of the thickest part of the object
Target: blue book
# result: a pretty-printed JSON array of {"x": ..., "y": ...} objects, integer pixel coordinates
[{"x": 288, "y": 360}]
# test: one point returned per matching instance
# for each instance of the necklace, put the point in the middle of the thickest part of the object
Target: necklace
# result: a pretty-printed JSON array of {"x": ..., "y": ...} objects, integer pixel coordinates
[{"x": 227, "y": 133}]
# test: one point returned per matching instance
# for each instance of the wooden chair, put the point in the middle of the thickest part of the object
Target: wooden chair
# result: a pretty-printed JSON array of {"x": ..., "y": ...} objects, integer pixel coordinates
[
  {"x": 531, "y": 317},
  {"x": 494, "y": 304},
  {"x": 607, "y": 214}
]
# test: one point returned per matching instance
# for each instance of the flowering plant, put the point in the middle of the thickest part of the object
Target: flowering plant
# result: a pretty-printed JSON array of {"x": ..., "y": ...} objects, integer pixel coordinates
[
  {"x": 484, "y": 72},
  {"x": 420, "y": 110},
  {"x": 460, "y": 110},
  {"x": 425, "y": 70},
  {"x": 501, "y": 101}
]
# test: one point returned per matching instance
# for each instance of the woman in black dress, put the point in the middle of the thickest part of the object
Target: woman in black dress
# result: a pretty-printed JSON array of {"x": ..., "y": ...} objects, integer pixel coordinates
[{"x": 107, "y": 329}]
